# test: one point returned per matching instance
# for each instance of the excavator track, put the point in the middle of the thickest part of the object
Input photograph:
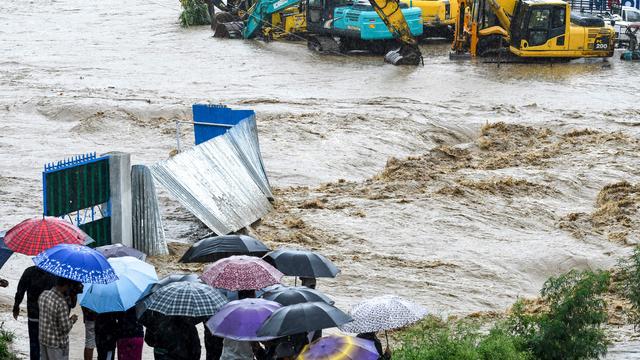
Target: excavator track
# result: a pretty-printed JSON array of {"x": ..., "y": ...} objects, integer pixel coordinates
[
  {"x": 229, "y": 30},
  {"x": 227, "y": 26},
  {"x": 323, "y": 44}
]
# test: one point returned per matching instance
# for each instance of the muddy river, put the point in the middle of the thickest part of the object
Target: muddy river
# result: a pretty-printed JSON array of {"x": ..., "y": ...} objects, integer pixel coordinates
[{"x": 458, "y": 184}]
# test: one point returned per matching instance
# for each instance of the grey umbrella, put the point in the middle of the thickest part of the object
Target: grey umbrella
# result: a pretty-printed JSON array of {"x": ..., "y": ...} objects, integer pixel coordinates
[
  {"x": 219, "y": 247},
  {"x": 119, "y": 250},
  {"x": 295, "y": 295},
  {"x": 303, "y": 263},
  {"x": 303, "y": 318}
]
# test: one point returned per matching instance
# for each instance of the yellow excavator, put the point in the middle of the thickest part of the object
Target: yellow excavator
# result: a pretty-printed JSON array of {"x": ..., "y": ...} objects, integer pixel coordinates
[
  {"x": 530, "y": 30},
  {"x": 438, "y": 17}
]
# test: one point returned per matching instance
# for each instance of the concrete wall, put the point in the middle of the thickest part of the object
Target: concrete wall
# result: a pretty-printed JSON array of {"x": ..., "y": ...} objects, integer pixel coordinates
[{"x": 120, "y": 187}]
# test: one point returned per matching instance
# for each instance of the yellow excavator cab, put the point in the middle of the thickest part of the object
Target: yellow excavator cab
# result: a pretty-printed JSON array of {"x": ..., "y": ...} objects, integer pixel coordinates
[{"x": 546, "y": 28}]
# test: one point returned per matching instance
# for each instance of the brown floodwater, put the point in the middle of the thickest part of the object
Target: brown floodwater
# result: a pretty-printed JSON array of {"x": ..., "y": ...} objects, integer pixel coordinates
[{"x": 79, "y": 76}]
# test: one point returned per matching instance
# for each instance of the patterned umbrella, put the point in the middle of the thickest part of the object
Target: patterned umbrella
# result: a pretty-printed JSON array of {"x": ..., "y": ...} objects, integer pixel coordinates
[
  {"x": 219, "y": 247},
  {"x": 119, "y": 250},
  {"x": 383, "y": 313},
  {"x": 339, "y": 347},
  {"x": 302, "y": 263},
  {"x": 240, "y": 319},
  {"x": 133, "y": 278},
  {"x": 295, "y": 295},
  {"x": 33, "y": 236},
  {"x": 301, "y": 318},
  {"x": 76, "y": 262},
  {"x": 186, "y": 298},
  {"x": 241, "y": 273},
  {"x": 169, "y": 279}
]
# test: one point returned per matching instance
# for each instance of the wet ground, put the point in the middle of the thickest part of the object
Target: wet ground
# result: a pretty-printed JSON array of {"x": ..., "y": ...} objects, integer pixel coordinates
[{"x": 476, "y": 217}]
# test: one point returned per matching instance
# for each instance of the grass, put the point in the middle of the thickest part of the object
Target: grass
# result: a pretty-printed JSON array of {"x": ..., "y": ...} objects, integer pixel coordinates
[
  {"x": 436, "y": 339},
  {"x": 569, "y": 328},
  {"x": 6, "y": 338}
]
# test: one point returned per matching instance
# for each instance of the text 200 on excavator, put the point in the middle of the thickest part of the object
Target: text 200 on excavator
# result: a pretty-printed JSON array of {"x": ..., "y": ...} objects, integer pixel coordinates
[{"x": 529, "y": 29}]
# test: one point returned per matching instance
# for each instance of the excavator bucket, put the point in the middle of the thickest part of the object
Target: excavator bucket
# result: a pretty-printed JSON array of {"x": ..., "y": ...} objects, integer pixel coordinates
[
  {"x": 405, "y": 55},
  {"x": 229, "y": 30}
]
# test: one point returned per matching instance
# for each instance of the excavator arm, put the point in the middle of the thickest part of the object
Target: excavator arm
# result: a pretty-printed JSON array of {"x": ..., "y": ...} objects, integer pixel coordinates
[
  {"x": 390, "y": 13},
  {"x": 467, "y": 32}
]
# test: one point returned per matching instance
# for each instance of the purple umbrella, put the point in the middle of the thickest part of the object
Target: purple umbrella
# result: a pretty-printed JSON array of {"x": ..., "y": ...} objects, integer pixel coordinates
[
  {"x": 339, "y": 347},
  {"x": 240, "y": 319}
]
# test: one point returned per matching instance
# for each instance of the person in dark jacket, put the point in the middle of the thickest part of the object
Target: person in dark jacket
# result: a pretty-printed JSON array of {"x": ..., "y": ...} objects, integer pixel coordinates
[
  {"x": 298, "y": 341},
  {"x": 177, "y": 339},
  {"x": 32, "y": 282},
  {"x": 383, "y": 355},
  {"x": 107, "y": 335},
  {"x": 156, "y": 324},
  {"x": 212, "y": 344},
  {"x": 131, "y": 336}
]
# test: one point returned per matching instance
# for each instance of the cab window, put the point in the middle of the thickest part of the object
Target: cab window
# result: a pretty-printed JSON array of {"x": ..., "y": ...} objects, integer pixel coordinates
[
  {"x": 539, "y": 26},
  {"x": 633, "y": 16},
  {"x": 558, "y": 18}
]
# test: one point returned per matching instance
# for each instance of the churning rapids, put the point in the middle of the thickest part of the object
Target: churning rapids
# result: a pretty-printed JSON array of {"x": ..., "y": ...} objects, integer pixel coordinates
[{"x": 392, "y": 172}]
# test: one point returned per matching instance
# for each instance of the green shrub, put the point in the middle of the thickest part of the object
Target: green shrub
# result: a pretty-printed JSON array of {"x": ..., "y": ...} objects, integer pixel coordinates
[
  {"x": 571, "y": 328},
  {"x": 630, "y": 281},
  {"x": 6, "y": 337},
  {"x": 194, "y": 12},
  {"x": 433, "y": 339}
]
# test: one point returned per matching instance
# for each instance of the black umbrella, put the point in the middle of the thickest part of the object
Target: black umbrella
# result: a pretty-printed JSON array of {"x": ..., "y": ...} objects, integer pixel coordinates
[
  {"x": 303, "y": 318},
  {"x": 301, "y": 263},
  {"x": 140, "y": 306},
  {"x": 296, "y": 295},
  {"x": 219, "y": 247}
]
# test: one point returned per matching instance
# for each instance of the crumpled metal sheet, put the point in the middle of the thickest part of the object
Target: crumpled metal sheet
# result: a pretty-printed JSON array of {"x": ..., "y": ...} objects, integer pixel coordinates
[{"x": 221, "y": 181}]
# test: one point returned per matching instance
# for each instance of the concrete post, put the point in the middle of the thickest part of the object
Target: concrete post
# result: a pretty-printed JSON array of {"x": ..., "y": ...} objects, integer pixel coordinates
[{"x": 120, "y": 187}]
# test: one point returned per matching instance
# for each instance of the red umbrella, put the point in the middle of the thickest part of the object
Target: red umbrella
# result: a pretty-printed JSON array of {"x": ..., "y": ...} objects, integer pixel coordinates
[
  {"x": 34, "y": 236},
  {"x": 241, "y": 273}
]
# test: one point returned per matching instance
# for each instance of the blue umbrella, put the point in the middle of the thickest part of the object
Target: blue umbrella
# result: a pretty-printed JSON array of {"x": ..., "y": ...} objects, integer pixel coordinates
[
  {"x": 134, "y": 276},
  {"x": 76, "y": 262},
  {"x": 5, "y": 252}
]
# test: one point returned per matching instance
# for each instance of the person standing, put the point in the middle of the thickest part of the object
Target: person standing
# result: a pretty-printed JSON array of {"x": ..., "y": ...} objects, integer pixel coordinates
[
  {"x": 54, "y": 321},
  {"x": 89, "y": 319},
  {"x": 180, "y": 340},
  {"x": 371, "y": 336},
  {"x": 32, "y": 282},
  {"x": 131, "y": 335},
  {"x": 212, "y": 344},
  {"x": 106, "y": 330}
]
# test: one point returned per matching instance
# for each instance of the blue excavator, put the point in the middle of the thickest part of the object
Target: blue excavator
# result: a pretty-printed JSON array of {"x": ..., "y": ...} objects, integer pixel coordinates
[{"x": 330, "y": 26}]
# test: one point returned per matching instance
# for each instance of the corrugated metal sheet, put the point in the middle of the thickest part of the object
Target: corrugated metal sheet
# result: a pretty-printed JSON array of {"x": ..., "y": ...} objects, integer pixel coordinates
[
  {"x": 148, "y": 232},
  {"x": 221, "y": 181}
]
